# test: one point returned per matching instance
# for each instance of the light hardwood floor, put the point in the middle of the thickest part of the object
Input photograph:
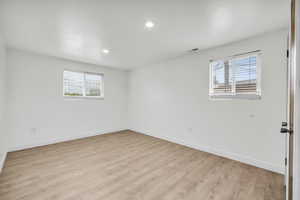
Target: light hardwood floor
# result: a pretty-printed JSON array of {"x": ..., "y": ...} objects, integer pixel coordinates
[{"x": 131, "y": 166}]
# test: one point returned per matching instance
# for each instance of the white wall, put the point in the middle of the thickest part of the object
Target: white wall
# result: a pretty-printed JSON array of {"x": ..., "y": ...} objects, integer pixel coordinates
[
  {"x": 3, "y": 133},
  {"x": 39, "y": 114},
  {"x": 170, "y": 100}
]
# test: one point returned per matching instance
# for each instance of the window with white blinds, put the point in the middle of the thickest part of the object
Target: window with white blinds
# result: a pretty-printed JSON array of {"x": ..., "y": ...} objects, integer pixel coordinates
[
  {"x": 236, "y": 77},
  {"x": 83, "y": 84}
]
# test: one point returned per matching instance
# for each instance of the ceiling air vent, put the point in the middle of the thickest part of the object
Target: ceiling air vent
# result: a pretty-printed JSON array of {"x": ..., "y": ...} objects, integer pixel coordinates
[{"x": 195, "y": 50}]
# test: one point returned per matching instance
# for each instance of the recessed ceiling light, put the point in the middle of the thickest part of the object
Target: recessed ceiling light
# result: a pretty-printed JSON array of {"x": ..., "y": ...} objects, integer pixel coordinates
[
  {"x": 149, "y": 24},
  {"x": 106, "y": 51}
]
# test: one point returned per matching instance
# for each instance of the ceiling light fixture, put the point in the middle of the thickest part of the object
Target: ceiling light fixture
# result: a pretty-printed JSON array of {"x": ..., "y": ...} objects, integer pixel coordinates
[
  {"x": 149, "y": 24},
  {"x": 106, "y": 51}
]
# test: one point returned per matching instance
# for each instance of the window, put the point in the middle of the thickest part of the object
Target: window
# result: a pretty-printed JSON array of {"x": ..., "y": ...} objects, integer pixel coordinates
[
  {"x": 83, "y": 84},
  {"x": 236, "y": 77}
]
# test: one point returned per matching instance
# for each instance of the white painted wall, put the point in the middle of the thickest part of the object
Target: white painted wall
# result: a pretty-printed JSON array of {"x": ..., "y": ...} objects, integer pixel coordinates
[
  {"x": 39, "y": 114},
  {"x": 170, "y": 100},
  {"x": 3, "y": 133}
]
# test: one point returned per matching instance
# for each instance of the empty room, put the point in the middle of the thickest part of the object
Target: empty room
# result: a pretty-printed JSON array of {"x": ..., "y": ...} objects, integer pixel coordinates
[{"x": 149, "y": 100}]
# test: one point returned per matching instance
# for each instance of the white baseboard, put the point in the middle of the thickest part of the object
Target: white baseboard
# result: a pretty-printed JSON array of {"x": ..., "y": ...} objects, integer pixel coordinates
[
  {"x": 220, "y": 152},
  {"x": 58, "y": 140},
  {"x": 2, "y": 160}
]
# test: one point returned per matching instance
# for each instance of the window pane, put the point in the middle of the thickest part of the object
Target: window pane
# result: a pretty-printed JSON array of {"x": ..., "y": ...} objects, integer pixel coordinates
[
  {"x": 222, "y": 77},
  {"x": 236, "y": 77},
  {"x": 73, "y": 83},
  {"x": 93, "y": 84},
  {"x": 245, "y": 74}
]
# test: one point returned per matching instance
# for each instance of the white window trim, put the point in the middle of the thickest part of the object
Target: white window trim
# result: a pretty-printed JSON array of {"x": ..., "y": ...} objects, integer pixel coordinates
[
  {"x": 233, "y": 95},
  {"x": 83, "y": 92}
]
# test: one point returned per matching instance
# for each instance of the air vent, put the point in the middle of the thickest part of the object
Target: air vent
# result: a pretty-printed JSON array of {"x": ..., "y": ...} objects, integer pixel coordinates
[{"x": 194, "y": 50}]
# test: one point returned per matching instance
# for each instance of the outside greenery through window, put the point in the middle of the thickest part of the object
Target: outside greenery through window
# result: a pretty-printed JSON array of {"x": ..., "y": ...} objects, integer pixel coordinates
[{"x": 83, "y": 84}]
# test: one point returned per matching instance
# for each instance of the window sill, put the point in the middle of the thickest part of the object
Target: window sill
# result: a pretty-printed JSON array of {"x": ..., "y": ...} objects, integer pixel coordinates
[
  {"x": 83, "y": 97},
  {"x": 235, "y": 97}
]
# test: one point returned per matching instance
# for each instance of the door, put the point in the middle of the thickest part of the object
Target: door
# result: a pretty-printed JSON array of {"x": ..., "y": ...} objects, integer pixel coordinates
[{"x": 288, "y": 127}]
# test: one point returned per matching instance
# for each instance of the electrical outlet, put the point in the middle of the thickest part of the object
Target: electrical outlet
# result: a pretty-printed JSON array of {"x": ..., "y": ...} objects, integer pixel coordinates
[
  {"x": 33, "y": 131},
  {"x": 251, "y": 115}
]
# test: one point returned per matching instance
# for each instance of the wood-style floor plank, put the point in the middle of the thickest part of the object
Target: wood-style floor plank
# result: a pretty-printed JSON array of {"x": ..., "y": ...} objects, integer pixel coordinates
[{"x": 131, "y": 166}]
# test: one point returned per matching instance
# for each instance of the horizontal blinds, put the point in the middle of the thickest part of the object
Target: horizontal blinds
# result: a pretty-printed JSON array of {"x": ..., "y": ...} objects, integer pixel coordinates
[
  {"x": 222, "y": 78},
  {"x": 245, "y": 74},
  {"x": 234, "y": 76}
]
